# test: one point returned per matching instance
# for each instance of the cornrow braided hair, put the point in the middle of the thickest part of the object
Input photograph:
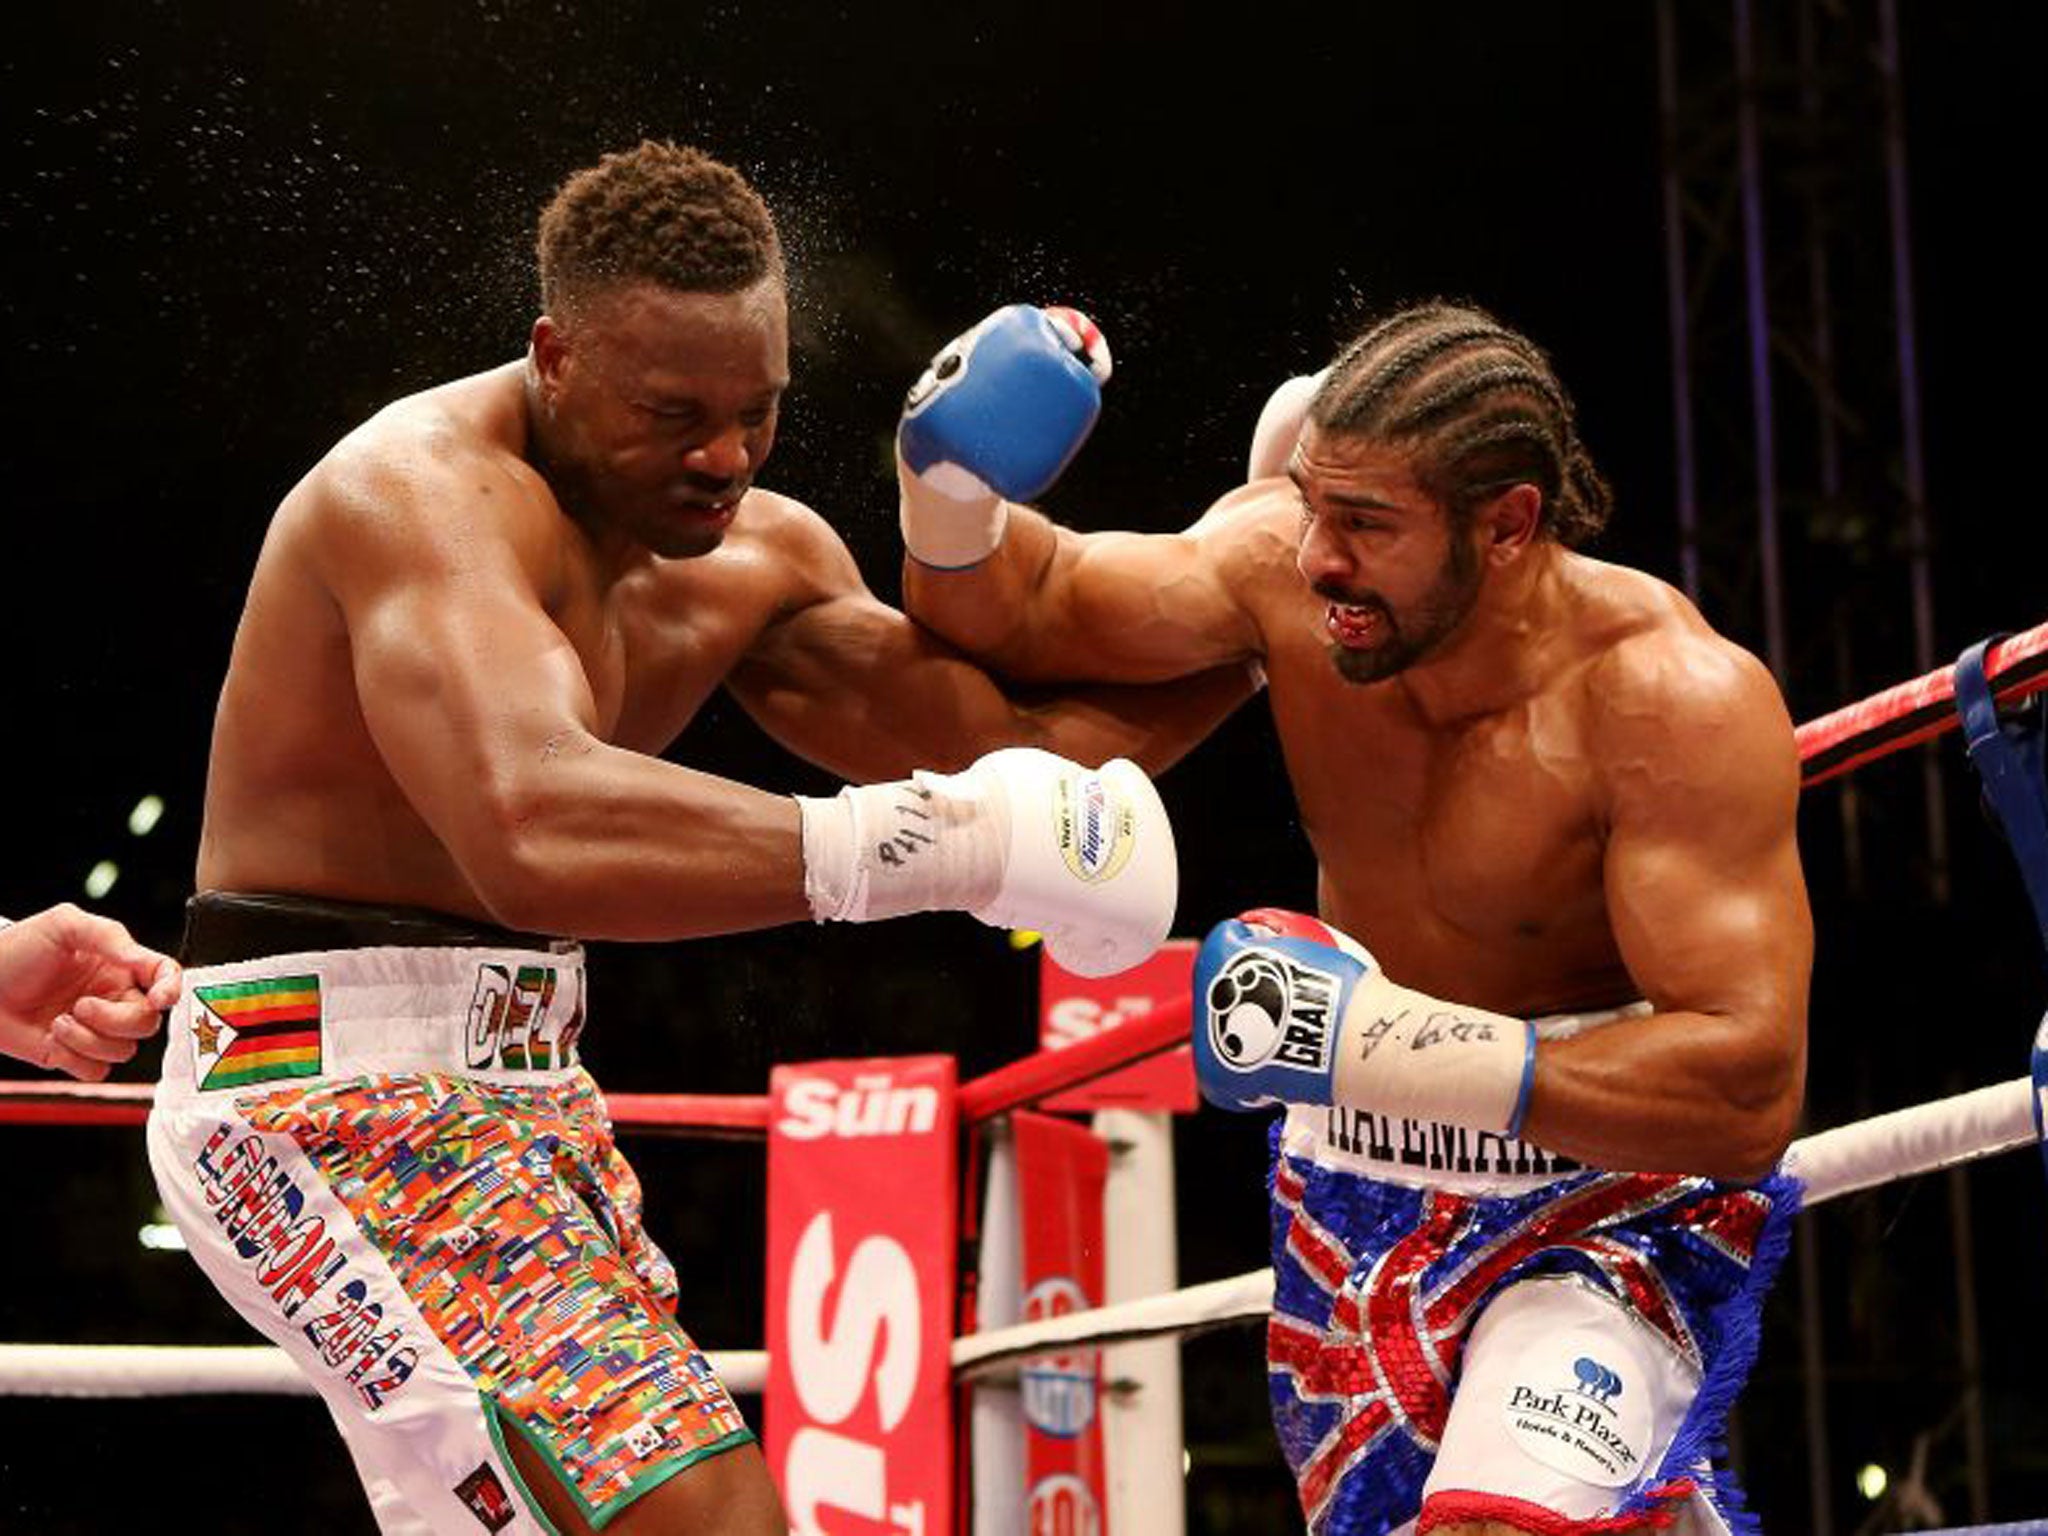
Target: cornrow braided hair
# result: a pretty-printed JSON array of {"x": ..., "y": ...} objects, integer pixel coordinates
[
  {"x": 1478, "y": 403},
  {"x": 660, "y": 213}
]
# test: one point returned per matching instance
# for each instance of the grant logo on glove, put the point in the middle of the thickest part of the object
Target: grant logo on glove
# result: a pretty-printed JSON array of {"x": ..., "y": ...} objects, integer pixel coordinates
[
  {"x": 1296, "y": 1012},
  {"x": 1264, "y": 1006}
]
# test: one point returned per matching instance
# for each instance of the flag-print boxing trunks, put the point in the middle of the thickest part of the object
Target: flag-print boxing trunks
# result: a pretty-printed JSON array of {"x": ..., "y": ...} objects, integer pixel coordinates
[
  {"x": 381, "y": 1149},
  {"x": 1467, "y": 1328}
]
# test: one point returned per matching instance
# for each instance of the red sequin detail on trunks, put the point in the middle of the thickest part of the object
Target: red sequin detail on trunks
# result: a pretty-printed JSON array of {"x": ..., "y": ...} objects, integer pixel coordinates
[{"x": 1455, "y": 1506}]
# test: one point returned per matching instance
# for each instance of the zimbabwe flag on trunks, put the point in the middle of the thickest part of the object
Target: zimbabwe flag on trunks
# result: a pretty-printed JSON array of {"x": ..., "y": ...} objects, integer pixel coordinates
[{"x": 258, "y": 1030}]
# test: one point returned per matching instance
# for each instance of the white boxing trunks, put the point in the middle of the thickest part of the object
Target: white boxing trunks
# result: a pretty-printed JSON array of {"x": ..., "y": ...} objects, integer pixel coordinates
[{"x": 388, "y": 1160}]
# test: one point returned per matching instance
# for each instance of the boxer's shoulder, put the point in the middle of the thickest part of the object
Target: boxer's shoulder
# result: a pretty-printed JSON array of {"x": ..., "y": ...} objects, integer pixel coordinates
[
  {"x": 778, "y": 559},
  {"x": 457, "y": 428},
  {"x": 1659, "y": 683},
  {"x": 775, "y": 543},
  {"x": 439, "y": 473},
  {"x": 1684, "y": 671},
  {"x": 1251, "y": 537},
  {"x": 778, "y": 527}
]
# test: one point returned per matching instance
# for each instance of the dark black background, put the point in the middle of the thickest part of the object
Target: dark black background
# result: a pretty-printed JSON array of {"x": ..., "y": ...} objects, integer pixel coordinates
[{"x": 230, "y": 232}]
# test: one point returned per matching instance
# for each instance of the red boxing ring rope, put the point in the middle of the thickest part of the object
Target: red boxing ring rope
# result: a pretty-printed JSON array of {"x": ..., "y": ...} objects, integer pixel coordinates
[
  {"x": 1909, "y": 713},
  {"x": 739, "y": 1116},
  {"x": 46, "y": 1102},
  {"x": 1045, "y": 1073},
  {"x": 742, "y": 1116}
]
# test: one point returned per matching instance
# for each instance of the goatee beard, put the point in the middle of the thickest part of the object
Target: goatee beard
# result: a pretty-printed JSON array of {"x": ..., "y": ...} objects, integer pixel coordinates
[
  {"x": 1396, "y": 654},
  {"x": 1435, "y": 619}
]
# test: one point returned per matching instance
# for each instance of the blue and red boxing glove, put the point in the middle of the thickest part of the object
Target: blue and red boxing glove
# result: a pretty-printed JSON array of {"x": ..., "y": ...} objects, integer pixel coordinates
[
  {"x": 1288, "y": 1010},
  {"x": 997, "y": 416}
]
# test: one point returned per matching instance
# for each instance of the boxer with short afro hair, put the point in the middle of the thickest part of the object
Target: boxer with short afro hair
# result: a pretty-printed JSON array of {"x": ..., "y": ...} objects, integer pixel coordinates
[
  {"x": 661, "y": 213},
  {"x": 476, "y": 626}
]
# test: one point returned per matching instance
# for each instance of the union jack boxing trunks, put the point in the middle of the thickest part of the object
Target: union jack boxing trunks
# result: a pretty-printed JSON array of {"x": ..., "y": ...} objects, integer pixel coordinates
[{"x": 1590, "y": 1329}]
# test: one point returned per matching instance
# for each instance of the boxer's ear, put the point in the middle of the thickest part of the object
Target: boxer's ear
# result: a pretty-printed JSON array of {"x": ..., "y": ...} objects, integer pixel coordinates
[
  {"x": 549, "y": 345},
  {"x": 1509, "y": 522}
]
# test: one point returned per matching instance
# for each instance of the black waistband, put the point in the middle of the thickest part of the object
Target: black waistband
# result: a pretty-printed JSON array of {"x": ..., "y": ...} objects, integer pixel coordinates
[{"x": 225, "y": 926}]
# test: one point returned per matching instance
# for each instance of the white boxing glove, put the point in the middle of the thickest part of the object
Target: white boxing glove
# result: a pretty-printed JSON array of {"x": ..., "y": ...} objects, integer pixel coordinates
[
  {"x": 1019, "y": 839},
  {"x": 1280, "y": 424}
]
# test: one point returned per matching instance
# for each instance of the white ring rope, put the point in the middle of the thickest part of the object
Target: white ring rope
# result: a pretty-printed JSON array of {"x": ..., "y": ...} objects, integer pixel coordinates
[
  {"x": 147, "y": 1370},
  {"x": 1922, "y": 1139},
  {"x": 154, "y": 1370},
  {"x": 1239, "y": 1299}
]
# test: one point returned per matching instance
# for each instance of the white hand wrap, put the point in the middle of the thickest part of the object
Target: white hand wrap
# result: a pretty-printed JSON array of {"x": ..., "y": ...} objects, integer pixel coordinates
[
  {"x": 881, "y": 850},
  {"x": 1403, "y": 1052},
  {"x": 950, "y": 519}
]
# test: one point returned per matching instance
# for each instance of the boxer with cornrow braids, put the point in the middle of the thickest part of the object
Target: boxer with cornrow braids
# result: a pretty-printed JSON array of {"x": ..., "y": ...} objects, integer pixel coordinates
[
  {"x": 1531, "y": 1183},
  {"x": 1480, "y": 405}
]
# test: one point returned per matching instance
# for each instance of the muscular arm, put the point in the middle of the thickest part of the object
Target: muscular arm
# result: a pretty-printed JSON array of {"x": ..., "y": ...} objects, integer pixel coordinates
[
  {"x": 851, "y": 684},
  {"x": 1707, "y": 903},
  {"x": 484, "y": 715},
  {"x": 1052, "y": 604}
]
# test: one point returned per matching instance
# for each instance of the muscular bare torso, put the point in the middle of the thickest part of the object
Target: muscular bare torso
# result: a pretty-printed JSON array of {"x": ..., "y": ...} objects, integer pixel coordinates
[
  {"x": 298, "y": 797},
  {"x": 1469, "y": 850}
]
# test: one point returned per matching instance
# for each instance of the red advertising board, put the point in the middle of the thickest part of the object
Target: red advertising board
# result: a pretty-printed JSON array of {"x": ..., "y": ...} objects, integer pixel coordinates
[
  {"x": 1060, "y": 1173},
  {"x": 1073, "y": 1008},
  {"x": 861, "y": 1244}
]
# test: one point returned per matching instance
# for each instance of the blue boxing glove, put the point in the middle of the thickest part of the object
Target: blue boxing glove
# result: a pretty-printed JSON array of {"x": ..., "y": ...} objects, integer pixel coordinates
[
  {"x": 999, "y": 413},
  {"x": 1288, "y": 1010}
]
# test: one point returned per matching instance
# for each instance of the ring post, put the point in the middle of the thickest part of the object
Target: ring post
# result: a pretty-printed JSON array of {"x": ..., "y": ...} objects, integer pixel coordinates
[
  {"x": 1133, "y": 1113},
  {"x": 996, "y": 1414}
]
